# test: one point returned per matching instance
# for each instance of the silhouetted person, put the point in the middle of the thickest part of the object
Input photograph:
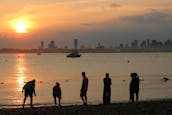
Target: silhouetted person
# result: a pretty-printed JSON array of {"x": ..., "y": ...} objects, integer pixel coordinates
[
  {"x": 84, "y": 87},
  {"x": 134, "y": 87},
  {"x": 29, "y": 90},
  {"x": 57, "y": 93},
  {"x": 107, "y": 89}
]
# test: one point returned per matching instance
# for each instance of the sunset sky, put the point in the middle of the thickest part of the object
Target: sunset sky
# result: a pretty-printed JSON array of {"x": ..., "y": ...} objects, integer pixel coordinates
[{"x": 24, "y": 23}]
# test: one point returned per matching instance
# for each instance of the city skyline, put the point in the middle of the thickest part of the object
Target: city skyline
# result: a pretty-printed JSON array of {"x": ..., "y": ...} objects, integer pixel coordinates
[
  {"x": 148, "y": 43},
  {"x": 25, "y": 23}
]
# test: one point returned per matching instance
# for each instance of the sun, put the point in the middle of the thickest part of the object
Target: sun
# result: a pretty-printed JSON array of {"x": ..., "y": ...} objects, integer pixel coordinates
[{"x": 21, "y": 27}]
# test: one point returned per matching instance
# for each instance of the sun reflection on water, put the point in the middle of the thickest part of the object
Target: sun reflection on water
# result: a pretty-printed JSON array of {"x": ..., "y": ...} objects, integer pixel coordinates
[
  {"x": 20, "y": 72},
  {"x": 20, "y": 80}
]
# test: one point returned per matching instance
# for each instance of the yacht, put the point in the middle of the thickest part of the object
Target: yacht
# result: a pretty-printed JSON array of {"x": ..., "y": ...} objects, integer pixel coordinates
[{"x": 73, "y": 55}]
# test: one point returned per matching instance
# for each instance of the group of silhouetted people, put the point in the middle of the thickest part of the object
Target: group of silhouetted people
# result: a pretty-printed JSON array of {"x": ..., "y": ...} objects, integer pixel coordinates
[{"x": 29, "y": 89}]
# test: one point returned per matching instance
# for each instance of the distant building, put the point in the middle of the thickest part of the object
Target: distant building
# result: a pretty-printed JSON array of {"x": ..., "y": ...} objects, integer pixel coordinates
[
  {"x": 42, "y": 44},
  {"x": 134, "y": 44},
  {"x": 156, "y": 44},
  {"x": 51, "y": 45},
  {"x": 168, "y": 44},
  {"x": 99, "y": 46},
  {"x": 148, "y": 43},
  {"x": 121, "y": 46},
  {"x": 75, "y": 44},
  {"x": 143, "y": 44}
]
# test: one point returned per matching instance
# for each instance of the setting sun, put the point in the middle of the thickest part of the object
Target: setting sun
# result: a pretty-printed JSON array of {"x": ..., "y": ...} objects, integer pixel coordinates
[{"x": 21, "y": 27}]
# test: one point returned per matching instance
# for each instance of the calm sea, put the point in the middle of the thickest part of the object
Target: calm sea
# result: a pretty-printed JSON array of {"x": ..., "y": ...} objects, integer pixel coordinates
[{"x": 15, "y": 69}]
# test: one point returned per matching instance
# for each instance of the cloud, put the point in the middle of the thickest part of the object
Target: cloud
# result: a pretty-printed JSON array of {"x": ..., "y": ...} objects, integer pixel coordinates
[
  {"x": 114, "y": 5},
  {"x": 153, "y": 16}
]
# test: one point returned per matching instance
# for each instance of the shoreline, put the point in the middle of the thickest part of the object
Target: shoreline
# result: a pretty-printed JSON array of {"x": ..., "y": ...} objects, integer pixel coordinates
[
  {"x": 49, "y": 104},
  {"x": 153, "y": 107},
  {"x": 40, "y": 51}
]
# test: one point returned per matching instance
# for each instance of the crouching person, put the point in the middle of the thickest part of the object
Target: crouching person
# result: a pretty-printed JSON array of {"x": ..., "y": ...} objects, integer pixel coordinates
[{"x": 29, "y": 90}]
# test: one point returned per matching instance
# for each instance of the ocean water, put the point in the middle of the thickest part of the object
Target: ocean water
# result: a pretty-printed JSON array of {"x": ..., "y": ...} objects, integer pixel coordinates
[{"x": 47, "y": 69}]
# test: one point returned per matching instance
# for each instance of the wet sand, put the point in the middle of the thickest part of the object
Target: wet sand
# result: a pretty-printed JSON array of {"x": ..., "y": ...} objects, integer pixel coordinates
[{"x": 158, "y": 107}]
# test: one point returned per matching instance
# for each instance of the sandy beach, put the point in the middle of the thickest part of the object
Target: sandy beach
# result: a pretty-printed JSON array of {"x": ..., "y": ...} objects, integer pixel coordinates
[{"x": 157, "y": 107}]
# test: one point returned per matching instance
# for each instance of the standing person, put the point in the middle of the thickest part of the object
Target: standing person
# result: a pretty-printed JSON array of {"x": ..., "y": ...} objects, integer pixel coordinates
[
  {"x": 57, "y": 93},
  {"x": 84, "y": 87},
  {"x": 107, "y": 89},
  {"x": 134, "y": 87},
  {"x": 29, "y": 90}
]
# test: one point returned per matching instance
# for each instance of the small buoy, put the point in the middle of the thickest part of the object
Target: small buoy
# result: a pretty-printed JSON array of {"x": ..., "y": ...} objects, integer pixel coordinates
[
  {"x": 165, "y": 78},
  {"x": 66, "y": 80}
]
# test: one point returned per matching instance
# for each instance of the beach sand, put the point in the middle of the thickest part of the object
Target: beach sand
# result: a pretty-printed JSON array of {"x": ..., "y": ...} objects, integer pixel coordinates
[{"x": 158, "y": 107}]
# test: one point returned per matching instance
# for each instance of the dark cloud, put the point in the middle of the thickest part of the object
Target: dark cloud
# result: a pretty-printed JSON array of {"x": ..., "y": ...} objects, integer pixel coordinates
[
  {"x": 151, "y": 17},
  {"x": 114, "y": 5}
]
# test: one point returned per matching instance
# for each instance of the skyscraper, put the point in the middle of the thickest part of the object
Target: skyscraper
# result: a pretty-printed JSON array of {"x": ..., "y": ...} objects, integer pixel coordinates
[
  {"x": 42, "y": 44},
  {"x": 75, "y": 44}
]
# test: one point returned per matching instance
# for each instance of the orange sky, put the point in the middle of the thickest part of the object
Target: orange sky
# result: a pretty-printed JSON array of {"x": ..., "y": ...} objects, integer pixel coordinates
[{"x": 78, "y": 15}]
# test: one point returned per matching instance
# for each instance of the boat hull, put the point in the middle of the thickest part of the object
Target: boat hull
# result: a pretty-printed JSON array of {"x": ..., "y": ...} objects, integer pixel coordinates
[{"x": 73, "y": 55}]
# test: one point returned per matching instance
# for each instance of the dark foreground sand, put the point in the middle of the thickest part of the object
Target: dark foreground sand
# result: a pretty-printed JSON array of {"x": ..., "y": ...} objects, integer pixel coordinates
[{"x": 161, "y": 107}]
